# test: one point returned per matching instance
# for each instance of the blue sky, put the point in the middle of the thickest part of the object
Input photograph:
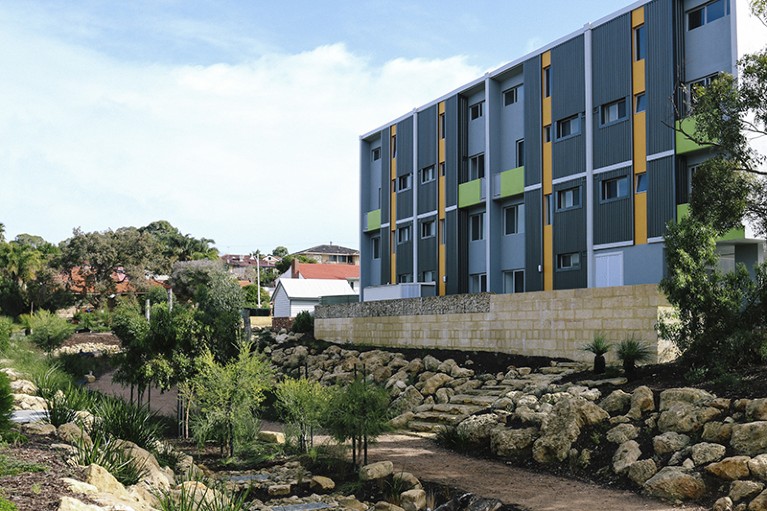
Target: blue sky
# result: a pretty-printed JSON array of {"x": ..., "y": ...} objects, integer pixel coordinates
[{"x": 234, "y": 120}]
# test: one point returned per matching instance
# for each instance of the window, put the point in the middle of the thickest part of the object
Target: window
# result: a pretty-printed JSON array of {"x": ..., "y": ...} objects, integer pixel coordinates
[
  {"x": 476, "y": 167},
  {"x": 615, "y": 188},
  {"x": 614, "y": 112},
  {"x": 427, "y": 276},
  {"x": 393, "y": 146},
  {"x": 442, "y": 232},
  {"x": 514, "y": 219},
  {"x": 477, "y": 227},
  {"x": 694, "y": 88},
  {"x": 478, "y": 283},
  {"x": 475, "y": 110},
  {"x": 442, "y": 126},
  {"x": 404, "y": 278},
  {"x": 513, "y": 95},
  {"x": 640, "y": 42},
  {"x": 641, "y": 185},
  {"x": 403, "y": 234},
  {"x": 569, "y": 261},
  {"x": 547, "y": 82},
  {"x": 428, "y": 229},
  {"x": 442, "y": 167},
  {"x": 570, "y": 198},
  {"x": 375, "y": 247},
  {"x": 690, "y": 176},
  {"x": 521, "y": 152},
  {"x": 427, "y": 174},
  {"x": 569, "y": 127},
  {"x": 708, "y": 13},
  {"x": 404, "y": 182},
  {"x": 547, "y": 133},
  {"x": 548, "y": 213},
  {"x": 376, "y": 153},
  {"x": 514, "y": 281},
  {"x": 641, "y": 103}
]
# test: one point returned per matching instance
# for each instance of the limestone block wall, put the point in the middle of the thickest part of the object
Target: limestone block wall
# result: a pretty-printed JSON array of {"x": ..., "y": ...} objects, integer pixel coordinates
[{"x": 550, "y": 323}]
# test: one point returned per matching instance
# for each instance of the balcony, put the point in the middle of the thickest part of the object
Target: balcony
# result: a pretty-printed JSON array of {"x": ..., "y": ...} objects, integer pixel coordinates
[
  {"x": 738, "y": 233},
  {"x": 510, "y": 182},
  {"x": 471, "y": 193},
  {"x": 373, "y": 220},
  {"x": 683, "y": 143}
]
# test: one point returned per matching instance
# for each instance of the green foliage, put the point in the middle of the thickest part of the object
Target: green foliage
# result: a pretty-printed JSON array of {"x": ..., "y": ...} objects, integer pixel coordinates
[
  {"x": 303, "y": 403},
  {"x": 10, "y": 466},
  {"x": 287, "y": 261},
  {"x": 360, "y": 412},
  {"x": 631, "y": 351},
  {"x": 202, "y": 498},
  {"x": 109, "y": 453},
  {"x": 228, "y": 395},
  {"x": 252, "y": 295},
  {"x": 450, "y": 437},
  {"x": 126, "y": 421},
  {"x": 598, "y": 346},
  {"x": 49, "y": 331},
  {"x": 6, "y": 328},
  {"x": 6, "y": 403},
  {"x": 303, "y": 323},
  {"x": 99, "y": 320},
  {"x": 7, "y": 505}
]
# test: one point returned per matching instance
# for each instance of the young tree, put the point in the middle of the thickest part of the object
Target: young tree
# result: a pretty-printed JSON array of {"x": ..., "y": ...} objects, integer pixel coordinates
[
  {"x": 303, "y": 403},
  {"x": 49, "y": 331}
]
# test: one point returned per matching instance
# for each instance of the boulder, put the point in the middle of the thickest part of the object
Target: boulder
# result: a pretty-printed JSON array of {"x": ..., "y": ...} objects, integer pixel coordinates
[
  {"x": 80, "y": 487},
  {"x": 684, "y": 417},
  {"x": 756, "y": 410},
  {"x": 730, "y": 469},
  {"x": 669, "y": 442},
  {"x": 642, "y": 401},
  {"x": 696, "y": 397},
  {"x": 617, "y": 402},
  {"x": 511, "y": 442},
  {"x": 401, "y": 421},
  {"x": 430, "y": 363},
  {"x": 155, "y": 475},
  {"x": 626, "y": 455},
  {"x": 642, "y": 470},
  {"x": 704, "y": 453},
  {"x": 351, "y": 503},
  {"x": 407, "y": 480},
  {"x": 27, "y": 402},
  {"x": 322, "y": 484},
  {"x": 72, "y": 504},
  {"x": 99, "y": 477},
  {"x": 386, "y": 506},
  {"x": 744, "y": 490},
  {"x": 431, "y": 385},
  {"x": 478, "y": 428},
  {"x": 409, "y": 399},
  {"x": 39, "y": 428},
  {"x": 676, "y": 483},
  {"x": 722, "y": 504},
  {"x": 272, "y": 437},
  {"x": 72, "y": 433},
  {"x": 413, "y": 500},
  {"x": 278, "y": 490},
  {"x": 749, "y": 438},
  {"x": 377, "y": 470},
  {"x": 13, "y": 374},
  {"x": 758, "y": 467},
  {"x": 558, "y": 432},
  {"x": 443, "y": 395},
  {"x": 23, "y": 387},
  {"x": 622, "y": 433},
  {"x": 717, "y": 432},
  {"x": 759, "y": 503}
]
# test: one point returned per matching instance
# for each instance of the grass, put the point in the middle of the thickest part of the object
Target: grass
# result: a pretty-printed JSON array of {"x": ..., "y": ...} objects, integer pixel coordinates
[
  {"x": 6, "y": 505},
  {"x": 196, "y": 499},
  {"x": 127, "y": 421},
  {"x": 107, "y": 453},
  {"x": 451, "y": 438},
  {"x": 12, "y": 466}
]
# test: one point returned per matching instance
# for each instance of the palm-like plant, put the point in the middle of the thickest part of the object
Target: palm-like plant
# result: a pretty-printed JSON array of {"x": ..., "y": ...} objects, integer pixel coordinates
[
  {"x": 599, "y": 347},
  {"x": 631, "y": 351}
]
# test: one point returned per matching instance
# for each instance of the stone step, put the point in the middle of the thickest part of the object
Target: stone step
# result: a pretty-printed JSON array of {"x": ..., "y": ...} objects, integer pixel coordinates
[
  {"x": 439, "y": 417},
  {"x": 481, "y": 401},
  {"x": 427, "y": 427},
  {"x": 455, "y": 408},
  {"x": 498, "y": 389}
]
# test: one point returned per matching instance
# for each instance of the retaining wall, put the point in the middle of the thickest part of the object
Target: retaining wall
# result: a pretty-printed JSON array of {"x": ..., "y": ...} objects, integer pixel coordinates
[{"x": 550, "y": 323}]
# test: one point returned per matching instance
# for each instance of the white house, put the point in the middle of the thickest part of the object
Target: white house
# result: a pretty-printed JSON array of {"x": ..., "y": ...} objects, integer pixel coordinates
[{"x": 292, "y": 296}]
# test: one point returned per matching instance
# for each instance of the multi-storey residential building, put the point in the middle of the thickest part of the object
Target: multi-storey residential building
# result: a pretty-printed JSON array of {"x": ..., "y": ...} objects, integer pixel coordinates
[{"x": 558, "y": 170}]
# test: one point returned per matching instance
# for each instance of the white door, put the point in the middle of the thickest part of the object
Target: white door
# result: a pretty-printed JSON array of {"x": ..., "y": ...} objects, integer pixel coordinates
[{"x": 608, "y": 269}]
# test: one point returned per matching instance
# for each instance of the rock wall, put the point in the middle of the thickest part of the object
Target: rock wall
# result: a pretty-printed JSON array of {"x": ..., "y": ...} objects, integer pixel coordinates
[{"x": 551, "y": 323}]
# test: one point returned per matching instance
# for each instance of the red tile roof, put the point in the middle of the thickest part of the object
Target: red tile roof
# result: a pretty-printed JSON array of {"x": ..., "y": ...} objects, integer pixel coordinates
[{"x": 328, "y": 271}]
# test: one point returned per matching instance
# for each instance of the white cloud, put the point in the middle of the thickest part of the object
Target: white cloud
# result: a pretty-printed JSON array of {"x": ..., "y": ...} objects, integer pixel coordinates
[{"x": 253, "y": 155}]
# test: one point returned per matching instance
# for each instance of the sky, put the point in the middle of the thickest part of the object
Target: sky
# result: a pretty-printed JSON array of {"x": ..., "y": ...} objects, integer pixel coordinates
[{"x": 237, "y": 121}]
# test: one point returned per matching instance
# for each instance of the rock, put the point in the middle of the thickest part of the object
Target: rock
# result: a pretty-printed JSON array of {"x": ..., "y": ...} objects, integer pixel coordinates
[
  {"x": 756, "y": 410},
  {"x": 272, "y": 437},
  {"x": 675, "y": 483},
  {"x": 758, "y": 467},
  {"x": 99, "y": 477},
  {"x": 511, "y": 442},
  {"x": 669, "y": 442},
  {"x": 744, "y": 490},
  {"x": 680, "y": 456},
  {"x": 759, "y": 503},
  {"x": 704, "y": 453},
  {"x": 642, "y": 401},
  {"x": 351, "y": 503},
  {"x": 413, "y": 500},
  {"x": 23, "y": 387},
  {"x": 377, "y": 470},
  {"x": 558, "y": 432},
  {"x": 72, "y": 504},
  {"x": 592, "y": 414},
  {"x": 278, "y": 490},
  {"x": 401, "y": 421},
  {"x": 408, "y": 400},
  {"x": 478, "y": 428},
  {"x": 461, "y": 372},
  {"x": 154, "y": 474},
  {"x": 626, "y": 454},
  {"x": 435, "y": 382},
  {"x": 322, "y": 483},
  {"x": 749, "y": 438},
  {"x": 72, "y": 433},
  {"x": 730, "y": 469},
  {"x": 430, "y": 363},
  {"x": 386, "y": 506},
  {"x": 642, "y": 470},
  {"x": 717, "y": 432},
  {"x": 13, "y": 374},
  {"x": 39, "y": 428},
  {"x": 617, "y": 402},
  {"x": 622, "y": 433},
  {"x": 696, "y": 397},
  {"x": 81, "y": 487},
  {"x": 443, "y": 395},
  {"x": 688, "y": 464},
  {"x": 722, "y": 504},
  {"x": 524, "y": 371},
  {"x": 407, "y": 480},
  {"x": 684, "y": 417},
  {"x": 26, "y": 402}
]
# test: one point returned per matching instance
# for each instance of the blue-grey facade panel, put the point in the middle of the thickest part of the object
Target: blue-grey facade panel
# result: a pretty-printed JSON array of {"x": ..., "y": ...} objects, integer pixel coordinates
[
  {"x": 385, "y": 176},
  {"x": 570, "y": 224},
  {"x": 405, "y": 251},
  {"x": 708, "y": 49},
  {"x": 534, "y": 241},
  {"x": 659, "y": 76},
  {"x": 405, "y": 204},
  {"x": 568, "y": 87},
  {"x": 569, "y": 155},
  {"x": 427, "y": 196},
  {"x": 453, "y": 280},
  {"x": 644, "y": 264},
  {"x": 427, "y": 248},
  {"x": 661, "y": 206},
  {"x": 512, "y": 123},
  {"x": 533, "y": 127},
  {"x": 612, "y": 143},
  {"x": 385, "y": 256},
  {"x": 427, "y": 137},
  {"x": 512, "y": 246},
  {"x": 452, "y": 144},
  {"x": 613, "y": 218},
  {"x": 405, "y": 146}
]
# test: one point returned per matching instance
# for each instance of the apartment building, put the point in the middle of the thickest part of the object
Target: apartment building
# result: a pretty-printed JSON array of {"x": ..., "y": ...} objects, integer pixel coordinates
[{"x": 558, "y": 170}]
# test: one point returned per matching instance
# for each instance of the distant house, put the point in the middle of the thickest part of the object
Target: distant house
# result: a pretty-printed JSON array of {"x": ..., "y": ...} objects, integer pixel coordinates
[
  {"x": 292, "y": 296},
  {"x": 347, "y": 272},
  {"x": 332, "y": 254},
  {"x": 240, "y": 264}
]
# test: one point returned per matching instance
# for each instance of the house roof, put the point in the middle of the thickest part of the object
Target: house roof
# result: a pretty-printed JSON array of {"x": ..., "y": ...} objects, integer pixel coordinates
[
  {"x": 314, "y": 288},
  {"x": 330, "y": 250},
  {"x": 76, "y": 281},
  {"x": 328, "y": 271}
]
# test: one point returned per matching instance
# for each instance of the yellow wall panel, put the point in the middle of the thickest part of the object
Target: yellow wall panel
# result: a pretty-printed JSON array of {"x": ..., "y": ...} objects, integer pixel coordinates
[
  {"x": 548, "y": 258},
  {"x": 640, "y": 143},
  {"x": 637, "y": 17},
  {"x": 640, "y": 218},
  {"x": 639, "y": 76},
  {"x": 547, "y": 173}
]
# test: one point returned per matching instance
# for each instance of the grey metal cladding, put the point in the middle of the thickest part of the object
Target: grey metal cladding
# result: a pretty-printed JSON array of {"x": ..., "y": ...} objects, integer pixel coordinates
[
  {"x": 427, "y": 194},
  {"x": 612, "y": 80},
  {"x": 385, "y": 255},
  {"x": 451, "y": 252},
  {"x": 572, "y": 279},
  {"x": 568, "y": 156},
  {"x": 568, "y": 87},
  {"x": 533, "y": 241},
  {"x": 385, "y": 176},
  {"x": 405, "y": 250},
  {"x": 614, "y": 219},
  {"x": 661, "y": 205},
  {"x": 405, "y": 203},
  {"x": 405, "y": 146},
  {"x": 659, "y": 76},
  {"x": 570, "y": 224},
  {"x": 427, "y": 248},
  {"x": 427, "y": 137},
  {"x": 451, "y": 151},
  {"x": 533, "y": 127}
]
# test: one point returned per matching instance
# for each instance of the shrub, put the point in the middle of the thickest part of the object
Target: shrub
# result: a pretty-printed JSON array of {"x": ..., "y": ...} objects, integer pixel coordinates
[
  {"x": 108, "y": 453},
  {"x": 6, "y": 403},
  {"x": 6, "y": 327},
  {"x": 450, "y": 437},
  {"x": 49, "y": 331},
  {"x": 192, "y": 498},
  {"x": 135, "y": 423},
  {"x": 303, "y": 323},
  {"x": 631, "y": 351},
  {"x": 599, "y": 346}
]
